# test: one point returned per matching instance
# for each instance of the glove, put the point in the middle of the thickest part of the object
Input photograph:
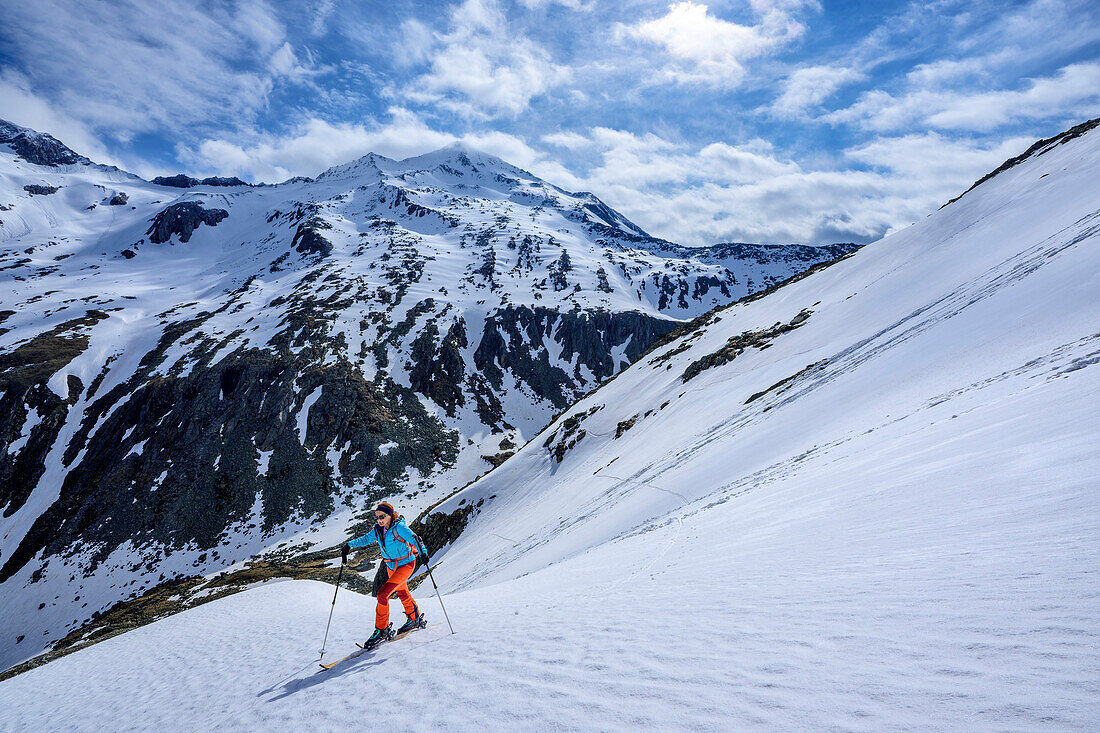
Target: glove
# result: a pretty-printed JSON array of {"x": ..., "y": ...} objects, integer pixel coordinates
[{"x": 344, "y": 553}]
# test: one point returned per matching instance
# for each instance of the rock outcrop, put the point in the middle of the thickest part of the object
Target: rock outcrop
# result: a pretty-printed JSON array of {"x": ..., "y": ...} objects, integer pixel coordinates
[
  {"x": 38, "y": 147},
  {"x": 182, "y": 219},
  {"x": 184, "y": 181}
]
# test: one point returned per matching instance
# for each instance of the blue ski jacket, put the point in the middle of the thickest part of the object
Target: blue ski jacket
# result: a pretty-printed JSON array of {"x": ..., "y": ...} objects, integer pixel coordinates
[{"x": 398, "y": 544}]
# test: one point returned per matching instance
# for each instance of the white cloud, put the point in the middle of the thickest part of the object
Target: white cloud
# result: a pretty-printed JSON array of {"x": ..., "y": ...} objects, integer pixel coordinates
[
  {"x": 1073, "y": 92},
  {"x": 413, "y": 44},
  {"x": 571, "y": 4},
  {"x": 706, "y": 49},
  {"x": 124, "y": 69},
  {"x": 702, "y": 194},
  {"x": 285, "y": 63},
  {"x": 255, "y": 21},
  {"x": 313, "y": 146},
  {"x": 23, "y": 107},
  {"x": 491, "y": 67},
  {"x": 321, "y": 15},
  {"x": 568, "y": 140},
  {"x": 316, "y": 145},
  {"x": 810, "y": 86},
  {"x": 949, "y": 71},
  {"x": 932, "y": 166}
]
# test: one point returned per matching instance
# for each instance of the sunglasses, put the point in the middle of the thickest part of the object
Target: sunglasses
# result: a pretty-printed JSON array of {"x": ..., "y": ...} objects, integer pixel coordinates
[{"x": 380, "y": 515}]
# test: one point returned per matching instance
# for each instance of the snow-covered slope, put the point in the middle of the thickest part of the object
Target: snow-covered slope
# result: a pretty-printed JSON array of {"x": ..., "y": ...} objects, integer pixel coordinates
[
  {"x": 190, "y": 376},
  {"x": 867, "y": 501}
]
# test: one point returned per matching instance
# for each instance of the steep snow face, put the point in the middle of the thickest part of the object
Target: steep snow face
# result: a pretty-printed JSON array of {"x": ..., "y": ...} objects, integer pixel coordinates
[
  {"x": 191, "y": 376},
  {"x": 986, "y": 305},
  {"x": 871, "y": 487},
  {"x": 866, "y": 501}
]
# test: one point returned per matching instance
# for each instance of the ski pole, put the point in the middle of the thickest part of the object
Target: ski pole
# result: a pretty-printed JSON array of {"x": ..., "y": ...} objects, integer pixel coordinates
[
  {"x": 339, "y": 576},
  {"x": 440, "y": 597}
]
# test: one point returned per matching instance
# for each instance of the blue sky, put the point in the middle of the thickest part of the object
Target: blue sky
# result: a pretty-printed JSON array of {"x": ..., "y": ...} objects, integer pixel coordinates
[{"x": 749, "y": 120}]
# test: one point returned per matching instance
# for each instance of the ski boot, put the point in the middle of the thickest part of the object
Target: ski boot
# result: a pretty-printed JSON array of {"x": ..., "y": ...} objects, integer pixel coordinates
[
  {"x": 379, "y": 636},
  {"x": 415, "y": 622}
]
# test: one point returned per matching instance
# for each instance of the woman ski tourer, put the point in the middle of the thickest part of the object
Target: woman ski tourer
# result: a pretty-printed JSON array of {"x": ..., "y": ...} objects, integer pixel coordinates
[{"x": 400, "y": 549}]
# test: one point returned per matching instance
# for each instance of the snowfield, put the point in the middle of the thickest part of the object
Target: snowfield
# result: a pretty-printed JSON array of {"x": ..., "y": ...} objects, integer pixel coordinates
[{"x": 884, "y": 519}]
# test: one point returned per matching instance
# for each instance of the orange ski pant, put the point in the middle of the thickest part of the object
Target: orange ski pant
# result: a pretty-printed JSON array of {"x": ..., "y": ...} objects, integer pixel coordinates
[{"x": 396, "y": 585}]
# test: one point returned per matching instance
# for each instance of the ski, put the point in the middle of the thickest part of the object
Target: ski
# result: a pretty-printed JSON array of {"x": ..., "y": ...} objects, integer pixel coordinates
[
  {"x": 362, "y": 650},
  {"x": 353, "y": 655}
]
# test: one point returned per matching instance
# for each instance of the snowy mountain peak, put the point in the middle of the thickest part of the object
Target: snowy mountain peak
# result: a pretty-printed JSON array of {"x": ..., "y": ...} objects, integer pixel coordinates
[
  {"x": 38, "y": 147},
  {"x": 455, "y": 156},
  {"x": 468, "y": 174}
]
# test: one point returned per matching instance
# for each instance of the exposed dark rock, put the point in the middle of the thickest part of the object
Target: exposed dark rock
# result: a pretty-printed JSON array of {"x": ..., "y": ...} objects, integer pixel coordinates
[
  {"x": 767, "y": 253},
  {"x": 601, "y": 281},
  {"x": 624, "y": 425},
  {"x": 35, "y": 361},
  {"x": 37, "y": 147},
  {"x": 784, "y": 384},
  {"x": 35, "y": 189},
  {"x": 119, "y": 199},
  {"x": 589, "y": 334},
  {"x": 129, "y": 254},
  {"x": 182, "y": 219},
  {"x": 736, "y": 345},
  {"x": 527, "y": 254},
  {"x": 437, "y": 371},
  {"x": 182, "y": 181},
  {"x": 308, "y": 238},
  {"x": 437, "y": 530},
  {"x": 176, "y": 181},
  {"x": 488, "y": 266},
  {"x": 201, "y": 433},
  {"x": 24, "y": 374},
  {"x": 558, "y": 268},
  {"x": 499, "y": 458},
  {"x": 223, "y": 181},
  {"x": 567, "y": 435}
]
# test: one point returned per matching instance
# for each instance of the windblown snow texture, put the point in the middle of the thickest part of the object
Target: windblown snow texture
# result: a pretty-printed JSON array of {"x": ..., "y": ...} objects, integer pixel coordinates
[
  {"x": 194, "y": 372},
  {"x": 880, "y": 517}
]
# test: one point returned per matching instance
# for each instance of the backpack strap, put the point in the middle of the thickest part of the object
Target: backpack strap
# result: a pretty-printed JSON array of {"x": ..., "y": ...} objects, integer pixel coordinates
[{"x": 412, "y": 550}]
